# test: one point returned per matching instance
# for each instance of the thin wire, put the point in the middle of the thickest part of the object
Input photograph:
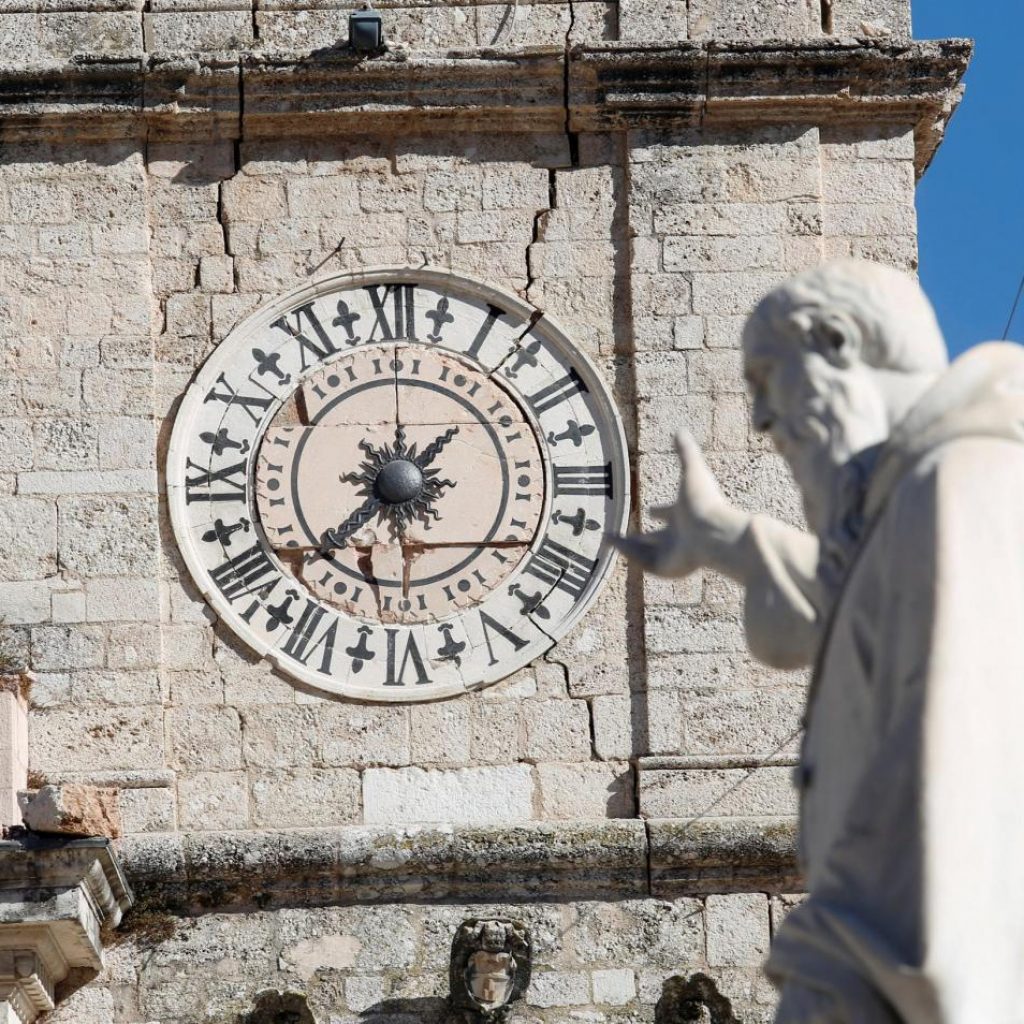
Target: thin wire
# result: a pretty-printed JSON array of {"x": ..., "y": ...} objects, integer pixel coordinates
[
  {"x": 761, "y": 762},
  {"x": 1013, "y": 311}
]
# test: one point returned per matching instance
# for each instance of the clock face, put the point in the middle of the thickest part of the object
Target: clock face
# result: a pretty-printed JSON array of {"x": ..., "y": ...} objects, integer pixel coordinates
[{"x": 396, "y": 484}]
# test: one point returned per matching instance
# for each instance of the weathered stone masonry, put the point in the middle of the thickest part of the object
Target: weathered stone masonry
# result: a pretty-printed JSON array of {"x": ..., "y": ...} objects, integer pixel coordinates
[{"x": 643, "y": 170}]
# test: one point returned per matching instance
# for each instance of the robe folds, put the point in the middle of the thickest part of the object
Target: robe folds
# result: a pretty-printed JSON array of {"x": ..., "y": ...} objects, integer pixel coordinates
[{"x": 912, "y": 767}]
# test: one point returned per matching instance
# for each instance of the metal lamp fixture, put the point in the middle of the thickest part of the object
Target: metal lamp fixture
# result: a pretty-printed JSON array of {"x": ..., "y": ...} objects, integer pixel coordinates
[{"x": 366, "y": 31}]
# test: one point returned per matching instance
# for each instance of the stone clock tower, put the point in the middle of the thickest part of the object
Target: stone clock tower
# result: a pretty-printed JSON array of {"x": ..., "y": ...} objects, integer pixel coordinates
[{"x": 326, "y": 370}]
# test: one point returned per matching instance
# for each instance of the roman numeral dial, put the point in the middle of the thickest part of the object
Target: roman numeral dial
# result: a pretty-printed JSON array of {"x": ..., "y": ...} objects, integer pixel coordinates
[{"x": 396, "y": 485}]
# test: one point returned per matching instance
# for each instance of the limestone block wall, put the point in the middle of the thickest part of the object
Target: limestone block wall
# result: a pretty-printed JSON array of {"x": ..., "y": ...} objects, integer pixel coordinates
[
  {"x": 79, "y": 510},
  {"x": 595, "y": 960},
  {"x": 41, "y": 30},
  {"x": 716, "y": 221},
  {"x": 136, "y": 685},
  {"x": 126, "y": 265}
]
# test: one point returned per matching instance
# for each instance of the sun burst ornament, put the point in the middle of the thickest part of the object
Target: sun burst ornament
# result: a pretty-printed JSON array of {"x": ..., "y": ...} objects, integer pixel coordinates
[{"x": 398, "y": 484}]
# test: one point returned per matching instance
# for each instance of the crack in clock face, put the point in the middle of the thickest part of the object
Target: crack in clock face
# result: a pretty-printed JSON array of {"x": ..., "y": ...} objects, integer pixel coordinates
[
  {"x": 399, "y": 485},
  {"x": 394, "y": 485},
  {"x": 403, "y": 484}
]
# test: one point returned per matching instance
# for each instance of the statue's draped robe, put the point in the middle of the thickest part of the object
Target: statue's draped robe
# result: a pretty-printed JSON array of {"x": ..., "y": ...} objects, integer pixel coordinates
[{"x": 912, "y": 771}]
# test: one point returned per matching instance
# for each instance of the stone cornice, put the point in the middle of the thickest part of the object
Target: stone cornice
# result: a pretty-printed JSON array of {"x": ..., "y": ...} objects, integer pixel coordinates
[
  {"x": 723, "y": 855},
  {"x": 610, "y": 86},
  {"x": 485, "y": 90},
  {"x": 48, "y": 867},
  {"x": 212, "y": 872},
  {"x": 57, "y": 898},
  {"x": 617, "y": 85},
  {"x": 197, "y": 872}
]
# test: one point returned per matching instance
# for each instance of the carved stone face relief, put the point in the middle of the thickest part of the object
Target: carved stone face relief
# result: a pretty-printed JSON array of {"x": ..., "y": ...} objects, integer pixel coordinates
[
  {"x": 490, "y": 968},
  {"x": 395, "y": 485}
]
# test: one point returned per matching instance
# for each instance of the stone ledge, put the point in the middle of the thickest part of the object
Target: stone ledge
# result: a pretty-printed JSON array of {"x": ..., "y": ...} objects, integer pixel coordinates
[
  {"x": 608, "y": 86},
  {"x": 714, "y": 856},
  {"x": 48, "y": 867},
  {"x": 618, "y": 85},
  {"x": 689, "y": 762},
  {"x": 93, "y": 98},
  {"x": 69, "y": 6},
  {"x": 127, "y": 778},
  {"x": 196, "y": 873},
  {"x": 483, "y": 90}
]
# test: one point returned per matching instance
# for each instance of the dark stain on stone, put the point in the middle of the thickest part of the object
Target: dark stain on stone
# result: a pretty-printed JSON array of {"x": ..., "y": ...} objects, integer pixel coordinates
[
  {"x": 279, "y": 1008},
  {"x": 692, "y": 999}
]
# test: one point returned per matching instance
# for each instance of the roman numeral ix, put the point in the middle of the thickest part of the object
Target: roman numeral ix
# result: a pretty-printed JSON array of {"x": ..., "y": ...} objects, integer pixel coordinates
[{"x": 234, "y": 489}]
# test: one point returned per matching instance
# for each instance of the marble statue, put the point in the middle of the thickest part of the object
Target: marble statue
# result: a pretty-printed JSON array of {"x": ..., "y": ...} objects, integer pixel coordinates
[{"x": 907, "y": 595}]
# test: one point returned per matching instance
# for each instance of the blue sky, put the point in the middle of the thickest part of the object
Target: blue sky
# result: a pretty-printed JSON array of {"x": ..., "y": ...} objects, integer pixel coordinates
[{"x": 971, "y": 200}]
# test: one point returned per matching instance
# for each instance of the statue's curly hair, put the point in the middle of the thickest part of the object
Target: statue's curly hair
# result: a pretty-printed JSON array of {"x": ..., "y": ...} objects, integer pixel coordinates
[{"x": 897, "y": 325}]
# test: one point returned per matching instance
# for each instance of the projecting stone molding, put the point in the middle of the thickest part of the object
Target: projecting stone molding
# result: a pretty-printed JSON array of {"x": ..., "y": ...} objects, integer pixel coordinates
[
  {"x": 198, "y": 873},
  {"x": 600, "y": 87},
  {"x": 57, "y": 901}
]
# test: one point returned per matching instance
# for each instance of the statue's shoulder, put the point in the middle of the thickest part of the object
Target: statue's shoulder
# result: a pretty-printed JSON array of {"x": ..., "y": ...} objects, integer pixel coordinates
[{"x": 980, "y": 398}]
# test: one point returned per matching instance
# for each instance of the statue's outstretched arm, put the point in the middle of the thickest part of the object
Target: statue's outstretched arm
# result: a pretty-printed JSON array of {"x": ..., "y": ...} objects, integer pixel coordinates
[
  {"x": 702, "y": 527},
  {"x": 776, "y": 564}
]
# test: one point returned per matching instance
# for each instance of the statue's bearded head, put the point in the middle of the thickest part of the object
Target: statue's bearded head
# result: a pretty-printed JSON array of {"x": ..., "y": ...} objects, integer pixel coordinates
[{"x": 833, "y": 358}]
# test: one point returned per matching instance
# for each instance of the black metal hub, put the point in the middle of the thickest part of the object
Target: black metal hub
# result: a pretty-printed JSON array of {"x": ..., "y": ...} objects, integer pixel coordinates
[
  {"x": 399, "y": 481},
  {"x": 398, "y": 484}
]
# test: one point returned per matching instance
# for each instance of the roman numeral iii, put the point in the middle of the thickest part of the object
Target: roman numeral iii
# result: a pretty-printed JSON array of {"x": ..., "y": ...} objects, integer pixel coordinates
[{"x": 596, "y": 480}]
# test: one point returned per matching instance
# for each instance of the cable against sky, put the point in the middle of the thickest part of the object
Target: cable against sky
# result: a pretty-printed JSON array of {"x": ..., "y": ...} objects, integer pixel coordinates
[{"x": 1013, "y": 308}]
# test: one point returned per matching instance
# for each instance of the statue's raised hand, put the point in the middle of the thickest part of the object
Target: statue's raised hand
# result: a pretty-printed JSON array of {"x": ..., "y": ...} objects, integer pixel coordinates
[{"x": 701, "y": 529}]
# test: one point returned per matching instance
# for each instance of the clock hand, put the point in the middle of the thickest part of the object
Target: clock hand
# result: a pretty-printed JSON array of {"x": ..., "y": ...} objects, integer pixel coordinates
[
  {"x": 427, "y": 456},
  {"x": 338, "y": 537},
  {"x": 406, "y": 570}
]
